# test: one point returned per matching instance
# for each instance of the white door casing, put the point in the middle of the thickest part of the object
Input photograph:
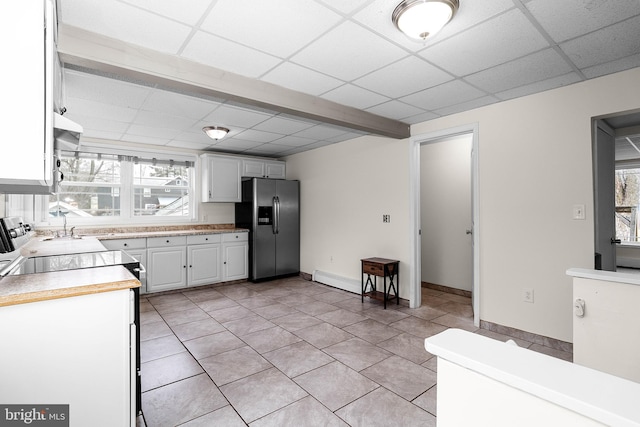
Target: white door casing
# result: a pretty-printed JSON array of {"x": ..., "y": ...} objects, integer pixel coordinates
[{"x": 414, "y": 212}]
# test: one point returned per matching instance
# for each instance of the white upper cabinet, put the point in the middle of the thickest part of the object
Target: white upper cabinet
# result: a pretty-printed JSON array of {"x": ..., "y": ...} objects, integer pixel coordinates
[
  {"x": 26, "y": 164},
  {"x": 257, "y": 168},
  {"x": 221, "y": 178},
  {"x": 222, "y": 175}
]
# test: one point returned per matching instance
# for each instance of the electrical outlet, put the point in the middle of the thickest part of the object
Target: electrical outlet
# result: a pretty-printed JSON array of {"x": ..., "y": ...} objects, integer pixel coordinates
[
  {"x": 386, "y": 218},
  {"x": 527, "y": 295}
]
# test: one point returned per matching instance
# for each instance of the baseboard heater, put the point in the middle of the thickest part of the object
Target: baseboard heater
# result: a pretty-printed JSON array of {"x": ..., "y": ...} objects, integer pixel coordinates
[{"x": 351, "y": 285}]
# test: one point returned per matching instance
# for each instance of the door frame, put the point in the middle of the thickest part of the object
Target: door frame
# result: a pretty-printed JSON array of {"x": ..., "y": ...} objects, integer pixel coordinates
[{"x": 415, "y": 273}]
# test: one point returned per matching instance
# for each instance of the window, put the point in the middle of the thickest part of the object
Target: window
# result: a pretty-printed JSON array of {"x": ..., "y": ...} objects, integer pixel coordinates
[
  {"x": 106, "y": 188},
  {"x": 91, "y": 187},
  {"x": 627, "y": 183},
  {"x": 161, "y": 190}
]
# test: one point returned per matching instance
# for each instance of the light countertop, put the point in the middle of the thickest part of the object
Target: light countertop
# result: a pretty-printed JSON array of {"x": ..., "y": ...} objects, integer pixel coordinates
[{"x": 28, "y": 288}]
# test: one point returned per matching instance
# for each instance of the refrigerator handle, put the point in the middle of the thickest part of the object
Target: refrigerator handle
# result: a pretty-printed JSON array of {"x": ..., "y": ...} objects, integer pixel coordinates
[
  {"x": 277, "y": 215},
  {"x": 274, "y": 223}
]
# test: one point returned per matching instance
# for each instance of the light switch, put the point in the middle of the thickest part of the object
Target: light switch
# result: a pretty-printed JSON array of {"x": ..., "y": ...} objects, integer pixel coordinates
[{"x": 578, "y": 212}]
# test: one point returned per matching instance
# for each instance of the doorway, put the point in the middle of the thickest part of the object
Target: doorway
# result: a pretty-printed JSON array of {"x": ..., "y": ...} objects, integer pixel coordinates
[
  {"x": 616, "y": 178},
  {"x": 417, "y": 142}
]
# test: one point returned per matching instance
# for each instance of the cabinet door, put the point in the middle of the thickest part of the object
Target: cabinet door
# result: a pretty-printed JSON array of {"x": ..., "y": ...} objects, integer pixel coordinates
[
  {"x": 26, "y": 163},
  {"x": 253, "y": 168},
  {"x": 235, "y": 261},
  {"x": 204, "y": 264},
  {"x": 166, "y": 268},
  {"x": 222, "y": 179},
  {"x": 275, "y": 170}
]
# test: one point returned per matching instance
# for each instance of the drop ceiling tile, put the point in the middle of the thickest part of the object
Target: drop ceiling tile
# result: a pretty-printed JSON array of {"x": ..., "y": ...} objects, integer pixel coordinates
[
  {"x": 164, "y": 134},
  {"x": 529, "y": 69},
  {"x": 295, "y": 77},
  {"x": 493, "y": 42},
  {"x": 344, "y": 6},
  {"x": 99, "y": 134},
  {"x": 345, "y": 52},
  {"x": 188, "y": 145},
  {"x": 104, "y": 90},
  {"x": 144, "y": 139},
  {"x": 258, "y": 136},
  {"x": 295, "y": 141},
  {"x": 596, "y": 48},
  {"x": 283, "y": 126},
  {"x": 568, "y": 19},
  {"x": 86, "y": 107},
  {"x": 161, "y": 121},
  {"x": 122, "y": 21},
  {"x": 419, "y": 118},
  {"x": 612, "y": 67},
  {"x": 229, "y": 56},
  {"x": 354, "y": 96},
  {"x": 237, "y": 144},
  {"x": 554, "y": 82},
  {"x": 395, "y": 110},
  {"x": 173, "y": 9},
  {"x": 404, "y": 77},
  {"x": 162, "y": 101},
  {"x": 197, "y": 137},
  {"x": 377, "y": 16},
  {"x": 234, "y": 117},
  {"x": 90, "y": 121},
  {"x": 465, "y": 106},
  {"x": 270, "y": 149},
  {"x": 446, "y": 94},
  {"x": 279, "y": 31}
]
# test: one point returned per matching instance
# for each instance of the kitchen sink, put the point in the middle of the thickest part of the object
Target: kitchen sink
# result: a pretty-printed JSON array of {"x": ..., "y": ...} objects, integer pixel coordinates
[{"x": 48, "y": 239}]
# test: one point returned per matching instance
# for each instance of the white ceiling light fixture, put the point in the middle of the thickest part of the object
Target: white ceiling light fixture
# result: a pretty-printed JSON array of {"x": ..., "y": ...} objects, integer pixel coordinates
[
  {"x": 420, "y": 19},
  {"x": 215, "y": 132}
]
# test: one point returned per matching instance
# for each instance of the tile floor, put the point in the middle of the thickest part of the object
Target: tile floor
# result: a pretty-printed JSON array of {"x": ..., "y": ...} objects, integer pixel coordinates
[{"x": 293, "y": 353}]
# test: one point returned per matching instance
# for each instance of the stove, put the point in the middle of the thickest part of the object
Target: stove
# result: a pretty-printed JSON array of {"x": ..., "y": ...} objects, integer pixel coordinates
[{"x": 46, "y": 264}]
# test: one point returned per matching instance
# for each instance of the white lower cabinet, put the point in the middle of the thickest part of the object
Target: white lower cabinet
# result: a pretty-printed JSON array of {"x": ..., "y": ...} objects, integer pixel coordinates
[
  {"x": 180, "y": 261},
  {"x": 166, "y": 263},
  {"x": 235, "y": 254},
  {"x": 204, "y": 257}
]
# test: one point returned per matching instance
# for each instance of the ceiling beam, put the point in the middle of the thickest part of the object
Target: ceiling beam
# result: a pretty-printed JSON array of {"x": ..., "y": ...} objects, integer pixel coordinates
[{"x": 106, "y": 55}]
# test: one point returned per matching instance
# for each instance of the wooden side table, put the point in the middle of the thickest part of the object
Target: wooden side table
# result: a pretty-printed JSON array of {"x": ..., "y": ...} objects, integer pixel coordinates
[{"x": 385, "y": 268}]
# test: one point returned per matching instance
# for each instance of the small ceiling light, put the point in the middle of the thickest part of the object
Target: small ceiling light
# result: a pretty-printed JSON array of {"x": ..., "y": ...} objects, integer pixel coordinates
[
  {"x": 420, "y": 19},
  {"x": 215, "y": 132}
]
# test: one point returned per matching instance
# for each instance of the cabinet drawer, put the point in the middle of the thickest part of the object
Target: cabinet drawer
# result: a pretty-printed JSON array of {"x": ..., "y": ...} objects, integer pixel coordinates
[
  {"x": 119, "y": 244},
  {"x": 372, "y": 268},
  {"x": 201, "y": 239},
  {"x": 235, "y": 237},
  {"x": 158, "y": 242}
]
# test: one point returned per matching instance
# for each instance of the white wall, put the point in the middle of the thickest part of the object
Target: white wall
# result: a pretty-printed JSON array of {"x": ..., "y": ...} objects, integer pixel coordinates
[
  {"x": 534, "y": 165},
  {"x": 445, "y": 212},
  {"x": 345, "y": 189}
]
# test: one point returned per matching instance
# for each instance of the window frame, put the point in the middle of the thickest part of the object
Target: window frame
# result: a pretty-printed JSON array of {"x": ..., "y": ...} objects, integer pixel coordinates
[{"x": 127, "y": 192}]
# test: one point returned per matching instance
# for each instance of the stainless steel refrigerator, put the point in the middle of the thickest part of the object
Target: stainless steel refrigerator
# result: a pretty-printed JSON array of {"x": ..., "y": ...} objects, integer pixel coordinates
[{"x": 270, "y": 209}]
